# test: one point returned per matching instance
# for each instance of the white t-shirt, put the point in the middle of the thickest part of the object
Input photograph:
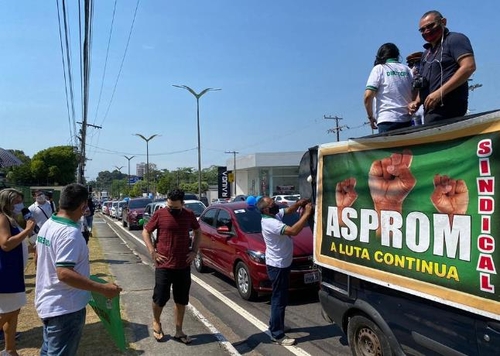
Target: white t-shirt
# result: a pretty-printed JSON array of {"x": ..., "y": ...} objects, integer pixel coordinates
[
  {"x": 392, "y": 83},
  {"x": 60, "y": 244},
  {"x": 279, "y": 247}
]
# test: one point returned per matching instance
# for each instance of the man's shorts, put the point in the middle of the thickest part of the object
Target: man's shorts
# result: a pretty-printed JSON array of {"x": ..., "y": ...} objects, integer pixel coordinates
[{"x": 179, "y": 279}]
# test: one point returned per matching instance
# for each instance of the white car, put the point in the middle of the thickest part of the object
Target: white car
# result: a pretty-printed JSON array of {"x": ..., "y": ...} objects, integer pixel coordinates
[
  {"x": 289, "y": 199},
  {"x": 116, "y": 209}
]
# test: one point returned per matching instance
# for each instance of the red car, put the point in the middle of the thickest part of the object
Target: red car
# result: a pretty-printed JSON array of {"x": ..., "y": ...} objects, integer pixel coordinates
[
  {"x": 232, "y": 244},
  {"x": 133, "y": 211}
]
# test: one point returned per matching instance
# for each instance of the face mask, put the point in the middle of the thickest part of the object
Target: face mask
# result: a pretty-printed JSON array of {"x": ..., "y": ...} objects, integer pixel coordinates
[
  {"x": 40, "y": 199},
  {"x": 274, "y": 210},
  {"x": 174, "y": 212},
  {"x": 433, "y": 34},
  {"x": 18, "y": 208}
]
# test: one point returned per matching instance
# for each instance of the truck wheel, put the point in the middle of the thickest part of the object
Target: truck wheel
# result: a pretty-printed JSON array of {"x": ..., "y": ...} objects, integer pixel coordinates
[
  {"x": 244, "y": 282},
  {"x": 366, "y": 339},
  {"x": 198, "y": 263}
]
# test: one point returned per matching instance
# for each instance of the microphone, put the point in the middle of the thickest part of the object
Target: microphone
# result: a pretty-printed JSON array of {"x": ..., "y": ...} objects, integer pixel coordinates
[{"x": 27, "y": 215}]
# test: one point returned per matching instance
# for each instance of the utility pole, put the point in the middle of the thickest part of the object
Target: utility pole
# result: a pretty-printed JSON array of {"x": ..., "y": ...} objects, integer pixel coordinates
[
  {"x": 82, "y": 158},
  {"x": 234, "y": 153},
  {"x": 337, "y": 128}
]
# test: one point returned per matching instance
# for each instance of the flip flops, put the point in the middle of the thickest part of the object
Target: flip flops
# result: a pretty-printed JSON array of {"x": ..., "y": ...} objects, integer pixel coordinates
[
  {"x": 158, "y": 335},
  {"x": 183, "y": 338}
]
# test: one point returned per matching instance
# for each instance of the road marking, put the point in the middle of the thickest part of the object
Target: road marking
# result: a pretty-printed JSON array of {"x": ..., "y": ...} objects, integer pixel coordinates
[
  {"x": 222, "y": 340},
  {"x": 239, "y": 310}
]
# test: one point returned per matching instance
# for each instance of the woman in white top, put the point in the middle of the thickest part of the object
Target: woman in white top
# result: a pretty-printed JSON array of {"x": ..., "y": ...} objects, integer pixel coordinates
[
  {"x": 390, "y": 83},
  {"x": 13, "y": 258}
]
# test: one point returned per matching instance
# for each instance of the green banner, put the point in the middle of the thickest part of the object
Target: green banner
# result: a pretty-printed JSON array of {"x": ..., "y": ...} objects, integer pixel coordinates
[
  {"x": 108, "y": 311},
  {"x": 416, "y": 213}
]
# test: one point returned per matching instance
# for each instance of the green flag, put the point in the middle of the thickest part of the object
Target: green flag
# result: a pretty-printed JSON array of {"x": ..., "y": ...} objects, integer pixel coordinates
[{"x": 108, "y": 311}]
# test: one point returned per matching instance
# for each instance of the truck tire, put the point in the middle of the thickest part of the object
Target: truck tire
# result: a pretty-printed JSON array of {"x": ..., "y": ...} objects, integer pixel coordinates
[
  {"x": 244, "y": 282},
  {"x": 366, "y": 339}
]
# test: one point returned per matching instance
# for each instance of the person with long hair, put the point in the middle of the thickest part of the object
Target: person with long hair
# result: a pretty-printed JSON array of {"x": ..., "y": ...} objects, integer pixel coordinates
[
  {"x": 390, "y": 84},
  {"x": 13, "y": 260}
]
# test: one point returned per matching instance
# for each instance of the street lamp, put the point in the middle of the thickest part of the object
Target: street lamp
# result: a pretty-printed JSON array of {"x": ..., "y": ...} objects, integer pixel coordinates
[
  {"x": 119, "y": 168},
  {"x": 128, "y": 159},
  {"x": 197, "y": 96},
  {"x": 147, "y": 157},
  {"x": 234, "y": 168}
]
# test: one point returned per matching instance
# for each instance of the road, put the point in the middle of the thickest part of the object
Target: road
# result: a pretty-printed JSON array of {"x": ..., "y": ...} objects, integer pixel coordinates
[{"x": 243, "y": 323}]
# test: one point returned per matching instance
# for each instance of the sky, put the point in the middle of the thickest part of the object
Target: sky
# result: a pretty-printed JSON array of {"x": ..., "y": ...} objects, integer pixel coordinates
[{"x": 282, "y": 66}]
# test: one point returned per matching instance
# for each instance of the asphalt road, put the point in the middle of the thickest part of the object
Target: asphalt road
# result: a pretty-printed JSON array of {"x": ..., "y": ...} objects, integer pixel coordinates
[{"x": 243, "y": 323}]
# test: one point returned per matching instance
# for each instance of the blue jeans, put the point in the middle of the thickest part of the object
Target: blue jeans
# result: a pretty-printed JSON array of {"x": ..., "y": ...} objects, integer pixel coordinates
[
  {"x": 280, "y": 279},
  {"x": 90, "y": 220},
  {"x": 62, "y": 334},
  {"x": 389, "y": 126}
]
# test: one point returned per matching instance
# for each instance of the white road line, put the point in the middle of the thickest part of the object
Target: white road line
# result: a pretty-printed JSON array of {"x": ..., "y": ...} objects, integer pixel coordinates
[{"x": 239, "y": 310}]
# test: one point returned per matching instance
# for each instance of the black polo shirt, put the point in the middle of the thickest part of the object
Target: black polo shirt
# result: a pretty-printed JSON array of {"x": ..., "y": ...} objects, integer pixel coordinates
[{"x": 438, "y": 66}]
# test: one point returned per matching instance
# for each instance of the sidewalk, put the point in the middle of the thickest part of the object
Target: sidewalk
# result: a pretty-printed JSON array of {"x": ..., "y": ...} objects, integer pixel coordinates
[{"x": 137, "y": 281}]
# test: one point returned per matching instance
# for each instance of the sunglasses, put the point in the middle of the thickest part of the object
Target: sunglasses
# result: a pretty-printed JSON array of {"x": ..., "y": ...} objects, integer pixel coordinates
[{"x": 428, "y": 27}]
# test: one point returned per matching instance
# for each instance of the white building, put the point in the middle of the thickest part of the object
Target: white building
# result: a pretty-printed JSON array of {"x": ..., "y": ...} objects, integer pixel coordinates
[{"x": 266, "y": 173}]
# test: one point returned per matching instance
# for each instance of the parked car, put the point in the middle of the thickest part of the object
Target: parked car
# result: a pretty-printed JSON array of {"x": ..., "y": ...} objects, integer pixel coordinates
[
  {"x": 232, "y": 243},
  {"x": 113, "y": 209},
  {"x": 289, "y": 199},
  {"x": 196, "y": 206},
  {"x": 240, "y": 197},
  {"x": 220, "y": 201},
  {"x": 106, "y": 207},
  {"x": 133, "y": 212},
  {"x": 117, "y": 209}
]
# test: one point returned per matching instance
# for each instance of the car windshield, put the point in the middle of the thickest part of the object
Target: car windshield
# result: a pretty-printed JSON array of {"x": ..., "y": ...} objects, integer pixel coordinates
[
  {"x": 139, "y": 203},
  {"x": 197, "y": 207},
  {"x": 249, "y": 220},
  {"x": 291, "y": 197}
]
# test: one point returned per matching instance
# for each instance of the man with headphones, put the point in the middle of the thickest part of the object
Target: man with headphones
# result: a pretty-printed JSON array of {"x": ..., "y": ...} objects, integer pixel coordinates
[{"x": 446, "y": 65}]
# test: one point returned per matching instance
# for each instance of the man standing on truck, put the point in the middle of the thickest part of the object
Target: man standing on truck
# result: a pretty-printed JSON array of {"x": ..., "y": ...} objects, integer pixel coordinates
[
  {"x": 447, "y": 64},
  {"x": 279, "y": 255}
]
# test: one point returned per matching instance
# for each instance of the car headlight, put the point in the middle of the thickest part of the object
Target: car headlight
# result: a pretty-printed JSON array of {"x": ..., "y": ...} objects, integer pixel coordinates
[{"x": 257, "y": 256}]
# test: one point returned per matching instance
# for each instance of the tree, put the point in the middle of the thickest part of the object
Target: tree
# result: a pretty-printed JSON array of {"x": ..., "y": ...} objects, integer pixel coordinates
[
  {"x": 55, "y": 165},
  {"x": 20, "y": 175},
  {"x": 210, "y": 175}
]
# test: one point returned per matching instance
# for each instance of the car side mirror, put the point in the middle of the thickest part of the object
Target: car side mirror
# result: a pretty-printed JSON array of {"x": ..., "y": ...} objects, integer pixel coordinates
[{"x": 224, "y": 230}]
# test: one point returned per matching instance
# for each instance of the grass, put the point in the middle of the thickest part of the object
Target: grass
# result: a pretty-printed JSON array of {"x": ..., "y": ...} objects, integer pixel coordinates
[{"x": 95, "y": 340}]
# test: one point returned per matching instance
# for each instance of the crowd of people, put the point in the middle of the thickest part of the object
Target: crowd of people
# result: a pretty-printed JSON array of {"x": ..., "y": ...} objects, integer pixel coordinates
[
  {"x": 63, "y": 286},
  {"x": 433, "y": 81},
  {"x": 433, "y": 86}
]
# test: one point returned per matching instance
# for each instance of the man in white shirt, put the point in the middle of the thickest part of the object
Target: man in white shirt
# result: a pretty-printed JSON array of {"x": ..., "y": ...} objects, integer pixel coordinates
[
  {"x": 63, "y": 285},
  {"x": 40, "y": 209},
  {"x": 279, "y": 256}
]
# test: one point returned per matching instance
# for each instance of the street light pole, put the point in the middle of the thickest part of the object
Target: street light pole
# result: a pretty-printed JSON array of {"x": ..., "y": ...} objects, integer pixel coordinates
[
  {"x": 147, "y": 157},
  {"x": 197, "y": 96},
  {"x": 128, "y": 159},
  {"x": 234, "y": 168}
]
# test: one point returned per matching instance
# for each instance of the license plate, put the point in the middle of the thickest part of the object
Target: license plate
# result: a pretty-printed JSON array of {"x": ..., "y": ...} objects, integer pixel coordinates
[{"x": 311, "y": 277}]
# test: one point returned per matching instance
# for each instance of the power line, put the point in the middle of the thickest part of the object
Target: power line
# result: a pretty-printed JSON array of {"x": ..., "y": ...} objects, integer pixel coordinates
[
  {"x": 67, "y": 67},
  {"x": 105, "y": 61},
  {"x": 123, "y": 60}
]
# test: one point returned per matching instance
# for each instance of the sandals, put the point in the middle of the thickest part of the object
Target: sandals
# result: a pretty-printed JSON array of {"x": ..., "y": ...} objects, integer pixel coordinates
[
  {"x": 158, "y": 335},
  {"x": 185, "y": 339}
]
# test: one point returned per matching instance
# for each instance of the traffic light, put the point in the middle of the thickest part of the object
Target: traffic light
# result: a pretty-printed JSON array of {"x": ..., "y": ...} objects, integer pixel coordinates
[{"x": 230, "y": 177}]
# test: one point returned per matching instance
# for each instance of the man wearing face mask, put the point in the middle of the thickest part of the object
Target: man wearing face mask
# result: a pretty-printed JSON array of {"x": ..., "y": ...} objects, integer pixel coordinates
[
  {"x": 63, "y": 285},
  {"x": 40, "y": 209},
  {"x": 447, "y": 64},
  {"x": 172, "y": 255},
  {"x": 279, "y": 256}
]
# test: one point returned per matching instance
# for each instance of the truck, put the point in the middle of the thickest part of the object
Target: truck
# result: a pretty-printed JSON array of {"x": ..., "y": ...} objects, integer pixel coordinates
[{"x": 407, "y": 237}]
